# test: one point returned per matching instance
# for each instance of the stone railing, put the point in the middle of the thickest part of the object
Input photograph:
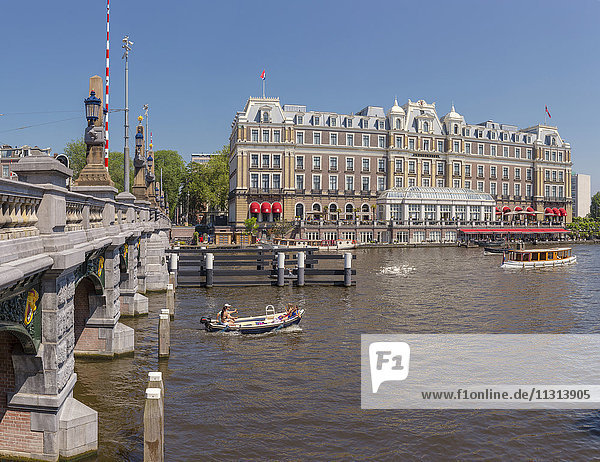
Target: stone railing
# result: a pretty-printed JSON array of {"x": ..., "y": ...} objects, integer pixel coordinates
[
  {"x": 19, "y": 211},
  {"x": 74, "y": 216}
]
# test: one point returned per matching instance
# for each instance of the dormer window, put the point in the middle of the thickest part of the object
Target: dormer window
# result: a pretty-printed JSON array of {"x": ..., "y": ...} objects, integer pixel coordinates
[
  {"x": 332, "y": 121},
  {"x": 348, "y": 122},
  {"x": 553, "y": 141},
  {"x": 426, "y": 127},
  {"x": 398, "y": 124},
  {"x": 265, "y": 116},
  {"x": 316, "y": 120},
  {"x": 456, "y": 129},
  {"x": 365, "y": 123},
  {"x": 299, "y": 120}
]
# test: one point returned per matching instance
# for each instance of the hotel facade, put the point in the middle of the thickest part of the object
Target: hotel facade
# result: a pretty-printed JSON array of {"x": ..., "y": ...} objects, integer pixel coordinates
[{"x": 287, "y": 162}]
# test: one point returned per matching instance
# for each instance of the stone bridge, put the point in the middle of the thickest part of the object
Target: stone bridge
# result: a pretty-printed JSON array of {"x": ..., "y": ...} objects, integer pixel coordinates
[{"x": 72, "y": 261}]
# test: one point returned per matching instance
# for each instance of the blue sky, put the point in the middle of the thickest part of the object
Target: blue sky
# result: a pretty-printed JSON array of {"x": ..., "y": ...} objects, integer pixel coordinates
[{"x": 195, "y": 63}]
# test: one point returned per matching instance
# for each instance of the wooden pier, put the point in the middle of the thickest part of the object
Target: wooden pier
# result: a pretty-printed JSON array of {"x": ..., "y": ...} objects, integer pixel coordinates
[{"x": 199, "y": 267}]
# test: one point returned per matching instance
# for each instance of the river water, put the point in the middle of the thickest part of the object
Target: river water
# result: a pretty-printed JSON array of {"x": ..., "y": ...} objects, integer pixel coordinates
[{"x": 295, "y": 394}]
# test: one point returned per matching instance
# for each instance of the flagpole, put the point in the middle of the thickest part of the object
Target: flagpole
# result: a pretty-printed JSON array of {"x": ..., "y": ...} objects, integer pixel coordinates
[{"x": 263, "y": 80}]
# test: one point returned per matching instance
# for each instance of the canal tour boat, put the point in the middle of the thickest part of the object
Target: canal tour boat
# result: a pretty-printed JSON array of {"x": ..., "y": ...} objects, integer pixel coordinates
[
  {"x": 538, "y": 258},
  {"x": 333, "y": 244},
  {"x": 271, "y": 321}
]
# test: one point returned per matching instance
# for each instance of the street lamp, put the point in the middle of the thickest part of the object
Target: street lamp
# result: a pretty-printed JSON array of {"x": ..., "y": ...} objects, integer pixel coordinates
[
  {"x": 149, "y": 161},
  {"x": 92, "y": 108}
]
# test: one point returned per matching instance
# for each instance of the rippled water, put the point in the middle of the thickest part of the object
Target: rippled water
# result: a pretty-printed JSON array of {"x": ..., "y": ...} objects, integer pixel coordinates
[{"x": 295, "y": 394}]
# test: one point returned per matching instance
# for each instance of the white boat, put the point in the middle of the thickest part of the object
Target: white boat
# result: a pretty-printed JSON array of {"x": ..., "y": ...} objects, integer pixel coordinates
[
  {"x": 538, "y": 258},
  {"x": 256, "y": 324},
  {"x": 333, "y": 244}
]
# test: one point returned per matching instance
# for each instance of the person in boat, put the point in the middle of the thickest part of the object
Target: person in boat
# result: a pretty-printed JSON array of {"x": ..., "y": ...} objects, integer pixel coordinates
[
  {"x": 225, "y": 315},
  {"x": 291, "y": 310}
]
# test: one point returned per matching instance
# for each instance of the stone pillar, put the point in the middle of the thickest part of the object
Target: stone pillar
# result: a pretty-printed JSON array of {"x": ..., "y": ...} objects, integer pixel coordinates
[
  {"x": 132, "y": 302},
  {"x": 157, "y": 271},
  {"x": 142, "y": 252},
  {"x": 139, "y": 163}
]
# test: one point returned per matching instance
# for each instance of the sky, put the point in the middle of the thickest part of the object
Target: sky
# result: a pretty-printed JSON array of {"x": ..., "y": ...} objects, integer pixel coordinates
[{"x": 195, "y": 63}]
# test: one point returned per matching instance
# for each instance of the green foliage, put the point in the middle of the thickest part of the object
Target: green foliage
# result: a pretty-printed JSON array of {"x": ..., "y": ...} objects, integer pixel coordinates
[
  {"x": 75, "y": 150},
  {"x": 595, "y": 206},
  {"x": 251, "y": 225},
  {"x": 282, "y": 227},
  {"x": 173, "y": 174},
  {"x": 116, "y": 170},
  {"x": 195, "y": 238},
  {"x": 208, "y": 184},
  {"x": 584, "y": 228}
]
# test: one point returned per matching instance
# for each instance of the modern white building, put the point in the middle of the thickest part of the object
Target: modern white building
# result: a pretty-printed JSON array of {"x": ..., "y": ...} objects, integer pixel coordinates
[{"x": 581, "y": 191}]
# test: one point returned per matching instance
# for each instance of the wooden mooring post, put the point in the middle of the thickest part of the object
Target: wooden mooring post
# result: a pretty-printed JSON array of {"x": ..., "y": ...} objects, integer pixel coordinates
[
  {"x": 153, "y": 448},
  {"x": 171, "y": 300},
  {"x": 164, "y": 334},
  {"x": 155, "y": 381}
]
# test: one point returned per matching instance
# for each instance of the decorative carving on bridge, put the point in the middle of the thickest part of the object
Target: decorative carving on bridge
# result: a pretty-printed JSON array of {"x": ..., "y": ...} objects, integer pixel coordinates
[
  {"x": 124, "y": 258},
  {"x": 18, "y": 216},
  {"x": 93, "y": 266}
]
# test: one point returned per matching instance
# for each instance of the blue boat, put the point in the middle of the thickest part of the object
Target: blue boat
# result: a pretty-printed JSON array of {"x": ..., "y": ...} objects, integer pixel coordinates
[{"x": 270, "y": 321}]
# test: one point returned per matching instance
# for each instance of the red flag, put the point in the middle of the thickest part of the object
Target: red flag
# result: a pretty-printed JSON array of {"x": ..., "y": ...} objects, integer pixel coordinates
[
  {"x": 262, "y": 76},
  {"x": 547, "y": 112}
]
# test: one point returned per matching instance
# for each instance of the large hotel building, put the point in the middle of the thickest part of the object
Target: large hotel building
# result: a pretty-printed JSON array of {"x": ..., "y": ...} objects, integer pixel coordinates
[{"x": 287, "y": 162}]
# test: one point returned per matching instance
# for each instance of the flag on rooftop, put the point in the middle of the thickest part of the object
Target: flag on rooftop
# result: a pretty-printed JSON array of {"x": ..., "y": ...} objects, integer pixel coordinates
[
  {"x": 548, "y": 112},
  {"x": 262, "y": 76}
]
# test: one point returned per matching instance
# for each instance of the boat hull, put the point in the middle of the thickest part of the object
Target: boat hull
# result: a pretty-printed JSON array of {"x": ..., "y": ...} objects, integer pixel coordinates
[
  {"x": 510, "y": 264},
  {"x": 254, "y": 325}
]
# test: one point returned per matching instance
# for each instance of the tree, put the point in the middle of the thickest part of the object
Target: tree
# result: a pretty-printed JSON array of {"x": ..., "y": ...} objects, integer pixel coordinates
[
  {"x": 75, "y": 150},
  {"x": 117, "y": 171},
  {"x": 208, "y": 184},
  {"x": 595, "y": 206},
  {"x": 251, "y": 225},
  {"x": 173, "y": 174},
  {"x": 282, "y": 227}
]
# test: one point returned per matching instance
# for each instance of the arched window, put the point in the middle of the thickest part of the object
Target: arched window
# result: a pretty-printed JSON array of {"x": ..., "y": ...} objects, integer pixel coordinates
[
  {"x": 300, "y": 210},
  {"x": 265, "y": 116},
  {"x": 333, "y": 208},
  {"x": 456, "y": 129},
  {"x": 398, "y": 124},
  {"x": 316, "y": 207},
  {"x": 365, "y": 208},
  {"x": 349, "y": 208},
  {"x": 426, "y": 126}
]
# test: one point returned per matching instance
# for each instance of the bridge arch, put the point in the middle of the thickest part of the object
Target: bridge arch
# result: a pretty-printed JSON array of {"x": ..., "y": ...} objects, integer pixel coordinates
[{"x": 87, "y": 299}]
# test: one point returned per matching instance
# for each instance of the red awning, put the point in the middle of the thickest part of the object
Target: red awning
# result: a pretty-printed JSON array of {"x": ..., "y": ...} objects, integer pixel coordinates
[
  {"x": 563, "y": 212},
  {"x": 518, "y": 209},
  {"x": 254, "y": 207},
  {"x": 505, "y": 209},
  {"x": 556, "y": 212},
  {"x": 531, "y": 230},
  {"x": 498, "y": 212},
  {"x": 265, "y": 207},
  {"x": 277, "y": 207},
  {"x": 530, "y": 211},
  {"x": 548, "y": 211}
]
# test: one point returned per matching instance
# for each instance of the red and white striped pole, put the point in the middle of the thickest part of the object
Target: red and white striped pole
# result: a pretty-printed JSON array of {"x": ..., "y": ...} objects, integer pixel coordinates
[{"x": 107, "y": 82}]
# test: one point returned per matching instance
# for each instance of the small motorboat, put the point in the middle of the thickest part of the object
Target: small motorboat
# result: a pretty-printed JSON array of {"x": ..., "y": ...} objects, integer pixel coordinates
[
  {"x": 495, "y": 250},
  {"x": 258, "y": 324},
  {"x": 539, "y": 258}
]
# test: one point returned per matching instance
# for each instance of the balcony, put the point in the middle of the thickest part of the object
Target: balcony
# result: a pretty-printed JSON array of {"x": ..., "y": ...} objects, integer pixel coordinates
[
  {"x": 349, "y": 192},
  {"x": 333, "y": 169},
  {"x": 332, "y": 191},
  {"x": 316, "y": 191},
  {"x": 381, "y": 170},
  {"x": 299, "y": 190},
  {"x": 365, "y": 192},
  {"x": 254, "y": 165}
]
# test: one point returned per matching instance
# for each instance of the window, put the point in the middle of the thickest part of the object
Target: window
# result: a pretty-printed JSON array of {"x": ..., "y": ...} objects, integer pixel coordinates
[
  {"x": 398, "y": 141},
  {"x": 333, "y": 122},
  {"x": 426, "y": 127},
  {"x": 348, "y": 122},
  {"x": 381, "y": 165},
  {"x": 560, "y": 191},
  {"x": 365, "y": 123},
  {"x": 560, "y": 156},
  {"x": 528, "y": 189},
  {"x": 455, "y": 129},
  {"x": 265, "y": 181},
  {"x": 440, "y": 146},
  {"x": 468, "y": 148},
  {"x": 365, "y": 165},
  {"x": 493, "y": 191},
  {"x": 492, "y": 135},
  {"x": 505, "y": 151},
  {"x": 480, "y": 186},
  {"x": 398, "y": 181},
  {"x": 553, "y": 156},
  {"x": 517, "y": 173},
  {"x": 365, "y": 140},
  {"x": 517, "y": 189},
  {"x": 425, "y": 145},
  {"x": 300, "y": 162},
  {"x": 456, "y": 146},
  {"x": 255, "y": 136},
  {"x": 493, "y": 149},
  {"x": 316, "y": 138},
  {"x": 425, "y": 182},
  {"x": 254, "y": 160},
  {"x": 505, "y": 189},
  {"x": 333, "y": 165},
  {"x": 553, "y": 191},
  {"x": 547, "y": 155},
  {"x": 350, "y": 163},
  {"x": 300, "y": 182},
  {"x": 553, "y": 175},
  {"x": 493, "y": 171},
  {"x": 277, "y": 136},
  {"x": 276, "y": 161},
  {"x": 365, "y": 183},
  {"x": 412, "y": 182},
  {"x": 398, "y": 163},
  {"x": 382, "y": 141},
  {"x": 316, "y": 182},
  {"x": 411, "y": 166},
  {"x": 265, "y": 161},
  {"x": 349, "y": 140},
  {"x": 467, "y": 132},
  {"x": 300, "y": 210},
  {"x": 529, "y": 153},
  {"x": 560, "y": 176},
  {"x": 480, "y": 149},
  {"x": 426, "y": 168},
  {"x": 456, "y": 184},
  {"x": 299, "y": 119},
  {"x": 505, "y": 172},
  {"x": 316, "y": 162},
  {"x": 333, "y": 139},
  {"x": 456, "y": 168},
  {"x": 518, "y": 153},
  {"x": 299, "y": 138},
  {"x": 440, "y": 183},
  {"x": 398, "y": 124},
  {"x": 467, "y": 170},
  {"x": 316, "y": 120},
  {"x": 411, "y": 144},
  {"x": 276, "y": 181},
  {"x": 254, "y": 180},
  {"x": 265, "y": 136},
  {"x": 265, "y": 116},
  {"x": 547, "y": 190},
  {"x": 349, "y": 183},
  {"x": 333, "y": 184},
  {"x": 547, "y": 175},
  {"x": 440, "y": 168},
  {"x": 529, "y": 174},
  {"x": 480, "y": 171},
  {"x": 396, "y": 212}
]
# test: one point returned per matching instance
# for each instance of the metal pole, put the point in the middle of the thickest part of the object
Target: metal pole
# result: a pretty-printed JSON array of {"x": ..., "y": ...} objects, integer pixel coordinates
[
  {"x": 209, "y": 269},
  {"x": 301, "y": 256},
  {"x": 347, "y": 269},
  {"x": 280, "y": 269},
  {"x": 127, "y": 46}
]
